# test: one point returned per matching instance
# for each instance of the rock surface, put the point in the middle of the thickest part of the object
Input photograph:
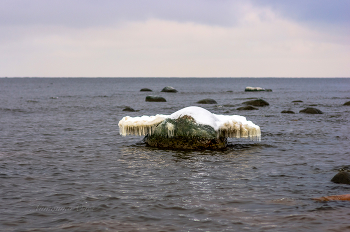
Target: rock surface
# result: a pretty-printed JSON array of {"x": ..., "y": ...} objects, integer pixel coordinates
[
  {"x": 311, "y": 110},
  {"x": 207, "y": 101},
  {"x": 347, "y": 103},
  {"x": 257, "y": 102},
  {"x": 297, "y": 101},
  {"x": 342, "y": 178},
  {"x": 154, "y": 98},
  {"x": 145, "y": 90},
  {"x": 169, "y": 89},
  {"x": 185, "y": 134},
  {"x": 247, "y": 108}
]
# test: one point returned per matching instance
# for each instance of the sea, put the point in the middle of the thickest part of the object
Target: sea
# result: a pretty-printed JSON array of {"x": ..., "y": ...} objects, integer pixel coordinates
[{"x": 65, "y": 167}]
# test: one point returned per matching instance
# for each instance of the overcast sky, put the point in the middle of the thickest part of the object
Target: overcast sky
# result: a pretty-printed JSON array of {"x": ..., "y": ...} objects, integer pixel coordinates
[{"x": 174, "y": 38}]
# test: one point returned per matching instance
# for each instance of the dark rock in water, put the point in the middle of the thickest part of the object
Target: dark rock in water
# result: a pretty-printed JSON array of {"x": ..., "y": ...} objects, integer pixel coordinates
[
  {"x": 297, "y": 101},
  {"x": 146, "y": 90},
  {"x": 154, "y": 98},
  {"x": 169, "y": 89},
  {"x": 207, "y": 101},
  {"x": 347, "y": 103},
  {"x": 128, "y": 108},
  {"x": 342, "y": 178},
  {"x": 247, "y": 108},
  {"x": 287, "y": 112},
  {"x": 257, "y": 102},
  {"x": 311, "y": 110},
  {"x": 185, "y": 133}
]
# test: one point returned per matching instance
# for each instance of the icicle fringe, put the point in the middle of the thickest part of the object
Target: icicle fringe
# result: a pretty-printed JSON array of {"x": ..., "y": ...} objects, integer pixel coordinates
[
  {"x": 233, "y": 129},
  {"x": 140, "y": 126}
]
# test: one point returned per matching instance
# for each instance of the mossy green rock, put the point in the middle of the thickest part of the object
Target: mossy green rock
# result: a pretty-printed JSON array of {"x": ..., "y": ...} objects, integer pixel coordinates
[{"x": 185, "y": 133}]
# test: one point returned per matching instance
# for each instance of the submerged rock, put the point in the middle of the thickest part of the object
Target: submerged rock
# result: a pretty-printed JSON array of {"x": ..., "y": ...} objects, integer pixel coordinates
[
  {"x": 247, "y": 108},
  {"x": 342, "y": 178},
  {"x": 345, "y": 197},
  {"x": 311, "y": 110},
  {"x": 287, "y": 112},
  {"x": 207, "y": 101},
  {"x": 169, "y": 89},
  {"x": 145, "y": 90},
  {"x": 154, "y": 98},
  {"x": 347, "y": 103},
  {"x": 129, "y": 109},
  {"x": 257, "y": 102}
]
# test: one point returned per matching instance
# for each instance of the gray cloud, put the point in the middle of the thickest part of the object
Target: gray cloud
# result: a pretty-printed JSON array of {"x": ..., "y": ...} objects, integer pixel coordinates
[
  {"x": 90, "y": 13},
  {"x": 83, "y": 13},
  {"x": 313, "y": 11}
]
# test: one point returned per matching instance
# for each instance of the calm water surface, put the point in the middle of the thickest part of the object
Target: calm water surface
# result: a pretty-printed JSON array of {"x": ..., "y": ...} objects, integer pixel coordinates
[{"x": 64, "y": 166}]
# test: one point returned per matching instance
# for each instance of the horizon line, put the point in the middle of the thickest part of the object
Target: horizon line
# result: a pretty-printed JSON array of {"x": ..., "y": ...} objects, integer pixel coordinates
[{"x": 153, "y": 77}]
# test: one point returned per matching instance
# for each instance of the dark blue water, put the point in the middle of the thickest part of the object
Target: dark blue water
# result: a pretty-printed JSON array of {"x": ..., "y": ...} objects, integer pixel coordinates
[{"x": 64, "y": 166}]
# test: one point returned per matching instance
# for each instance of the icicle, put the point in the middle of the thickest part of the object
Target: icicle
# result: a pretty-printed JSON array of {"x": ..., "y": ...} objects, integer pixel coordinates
[
  {"x": 139, "y": 125},
  {"x": 171, "y": 129},
  {"x": 239, "y": 129}
]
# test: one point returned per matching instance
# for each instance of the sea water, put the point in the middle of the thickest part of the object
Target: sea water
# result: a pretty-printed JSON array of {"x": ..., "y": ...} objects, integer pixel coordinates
[{"x": 65, "y": 166}]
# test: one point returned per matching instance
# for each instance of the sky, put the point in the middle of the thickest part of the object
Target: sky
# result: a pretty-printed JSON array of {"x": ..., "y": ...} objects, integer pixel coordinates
[{"x": 174, "y": 38}]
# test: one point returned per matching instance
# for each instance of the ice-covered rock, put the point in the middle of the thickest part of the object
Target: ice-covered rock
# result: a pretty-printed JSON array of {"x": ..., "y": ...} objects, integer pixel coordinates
[
  {"x": 189, "y": 128},
  {"x": 169, "y": 89},
  {"x": 250, "y": 89},
  {"x": 256, "y": 89}
]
